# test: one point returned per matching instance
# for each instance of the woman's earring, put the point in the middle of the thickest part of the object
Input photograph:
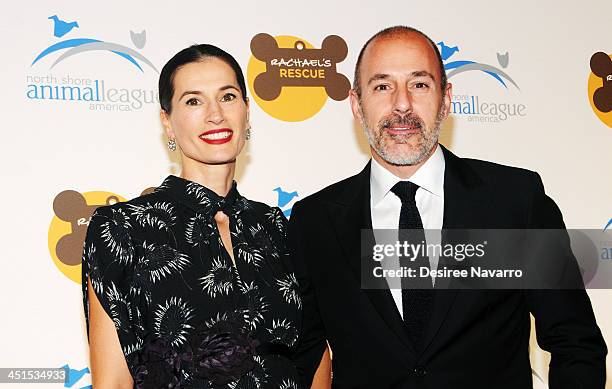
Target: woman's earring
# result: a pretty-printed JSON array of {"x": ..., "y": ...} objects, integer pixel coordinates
[
  {"x": 171, "y": 145},
  {"x": 248, "y": 133}
]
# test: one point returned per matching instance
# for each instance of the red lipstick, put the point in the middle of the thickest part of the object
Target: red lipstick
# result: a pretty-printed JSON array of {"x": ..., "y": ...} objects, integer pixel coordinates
[{"x": 217, "y": 136}]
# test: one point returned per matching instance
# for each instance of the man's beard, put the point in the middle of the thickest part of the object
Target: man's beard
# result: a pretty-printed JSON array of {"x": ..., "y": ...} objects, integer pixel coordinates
[{"x": 381, "y": 141}]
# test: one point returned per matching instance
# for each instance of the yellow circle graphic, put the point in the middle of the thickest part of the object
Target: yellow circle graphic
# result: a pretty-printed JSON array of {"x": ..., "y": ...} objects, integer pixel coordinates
[
  {"x": 594, "y": 84},
  {"x": 66, "y": 236},
  {"x": 295, "y": 104}
]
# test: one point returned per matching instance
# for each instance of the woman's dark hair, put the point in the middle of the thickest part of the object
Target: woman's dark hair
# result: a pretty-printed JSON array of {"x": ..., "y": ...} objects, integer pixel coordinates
[{"x": 195, "y": 53}]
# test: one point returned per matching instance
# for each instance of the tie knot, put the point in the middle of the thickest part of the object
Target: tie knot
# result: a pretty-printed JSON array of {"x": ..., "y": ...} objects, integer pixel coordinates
[{"x": 405, "y": 190}]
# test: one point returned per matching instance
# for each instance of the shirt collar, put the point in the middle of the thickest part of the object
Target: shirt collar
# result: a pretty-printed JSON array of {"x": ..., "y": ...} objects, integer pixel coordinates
[
  {"x": 200, "y": 198},
  {"x": 430, "y": 177}
]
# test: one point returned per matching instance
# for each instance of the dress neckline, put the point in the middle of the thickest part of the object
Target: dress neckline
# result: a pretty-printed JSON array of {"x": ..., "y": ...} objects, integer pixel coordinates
[{"x": 201, "y": 198}]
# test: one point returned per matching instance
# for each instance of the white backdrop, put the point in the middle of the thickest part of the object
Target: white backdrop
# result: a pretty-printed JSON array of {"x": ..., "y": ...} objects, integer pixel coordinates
[{"x": 55, "y": 144}]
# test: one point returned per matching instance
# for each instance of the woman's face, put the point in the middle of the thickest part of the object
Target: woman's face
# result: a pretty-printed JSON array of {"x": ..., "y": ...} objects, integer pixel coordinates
[{"x": 209, "y": 117}]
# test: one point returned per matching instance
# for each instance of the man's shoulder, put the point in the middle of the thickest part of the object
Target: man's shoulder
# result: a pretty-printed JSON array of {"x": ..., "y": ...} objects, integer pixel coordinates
[
  {"x": 492, "y": 173},
  {"x": 339, "y": 189},
  {"x": 488, "y": 168}
]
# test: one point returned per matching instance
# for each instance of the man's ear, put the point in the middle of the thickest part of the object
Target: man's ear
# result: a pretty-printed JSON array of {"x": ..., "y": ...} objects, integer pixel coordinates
[
  {"x": 354, "y": 99},
  {"x": 446, "y": 99}
]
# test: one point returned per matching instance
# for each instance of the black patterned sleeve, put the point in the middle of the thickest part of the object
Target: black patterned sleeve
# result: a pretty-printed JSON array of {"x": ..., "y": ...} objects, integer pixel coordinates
[
  {"x": 278, "y": 224},
  {"x": 107, "y": 261}
]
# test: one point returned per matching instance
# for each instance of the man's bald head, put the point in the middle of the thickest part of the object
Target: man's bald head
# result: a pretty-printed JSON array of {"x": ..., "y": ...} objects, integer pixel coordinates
[{"x": 396, "y": 32}]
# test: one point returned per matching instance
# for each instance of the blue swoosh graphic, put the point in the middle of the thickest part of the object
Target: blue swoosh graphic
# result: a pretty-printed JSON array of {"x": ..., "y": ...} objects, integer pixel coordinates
[
  {"x": 497, "y": 77},
  {"x": 129, "y": 58},
  {"x": 78, "y": 42},
  {"x": 62, "y": 45},
  {"x": 458, "y": 64}
]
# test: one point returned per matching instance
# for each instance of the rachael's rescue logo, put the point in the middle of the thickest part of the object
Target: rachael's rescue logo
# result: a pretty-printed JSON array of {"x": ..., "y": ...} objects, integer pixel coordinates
[
  {"x": 73, "y": 211},
  {"x": 291, "y": 80},
  {"x": 600, "y": 87},
  {"x": 68, "y": 227}
]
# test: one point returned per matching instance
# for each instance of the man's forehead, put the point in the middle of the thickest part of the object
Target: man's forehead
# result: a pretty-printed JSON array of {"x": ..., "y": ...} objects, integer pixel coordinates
[
  {"x": 408, "y": 39},
  {"x": 406, "y": 53}
]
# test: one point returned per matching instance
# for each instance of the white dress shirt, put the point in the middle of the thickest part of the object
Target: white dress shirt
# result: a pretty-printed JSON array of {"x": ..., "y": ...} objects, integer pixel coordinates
[{"x": 385, "y": 205}]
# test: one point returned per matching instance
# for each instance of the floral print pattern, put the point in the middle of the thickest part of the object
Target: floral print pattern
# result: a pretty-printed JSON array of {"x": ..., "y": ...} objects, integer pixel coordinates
[{"x": 185, "y": 314}]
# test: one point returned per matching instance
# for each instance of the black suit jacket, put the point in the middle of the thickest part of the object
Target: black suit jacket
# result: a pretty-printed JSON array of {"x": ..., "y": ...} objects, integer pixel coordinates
[{"x": 476, "y": 338}]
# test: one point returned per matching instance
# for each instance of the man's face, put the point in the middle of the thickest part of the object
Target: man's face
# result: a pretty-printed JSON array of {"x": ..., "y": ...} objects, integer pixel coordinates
[{"x": 401, "y": 105}]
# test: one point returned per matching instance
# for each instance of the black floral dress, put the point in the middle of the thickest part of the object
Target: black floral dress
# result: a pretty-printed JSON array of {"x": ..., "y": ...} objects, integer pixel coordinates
[{"x": 186, "y": 317}]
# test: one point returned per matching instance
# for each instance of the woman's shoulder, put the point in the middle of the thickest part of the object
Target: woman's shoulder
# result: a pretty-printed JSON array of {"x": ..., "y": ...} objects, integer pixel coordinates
[
  {"x": 136, "y": 216},
  {"x": 116, "y": 230},
  {"x": 271, "y": 217},
  {"x": 153, "y": 199},
  {"x": 258, "y": 207}
]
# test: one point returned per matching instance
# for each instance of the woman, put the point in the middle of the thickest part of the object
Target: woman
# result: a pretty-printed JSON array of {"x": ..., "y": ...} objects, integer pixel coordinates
[{"x": 190, "y": 286}]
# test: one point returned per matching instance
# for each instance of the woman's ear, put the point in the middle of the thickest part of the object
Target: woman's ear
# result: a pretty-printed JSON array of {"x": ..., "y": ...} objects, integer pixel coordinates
[
  {"x": 248, "y": 113},
  {"x": 165, "y": 119}
]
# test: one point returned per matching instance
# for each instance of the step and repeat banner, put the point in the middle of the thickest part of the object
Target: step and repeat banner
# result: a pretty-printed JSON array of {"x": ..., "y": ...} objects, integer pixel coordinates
[{"x": 532, "y": 87}]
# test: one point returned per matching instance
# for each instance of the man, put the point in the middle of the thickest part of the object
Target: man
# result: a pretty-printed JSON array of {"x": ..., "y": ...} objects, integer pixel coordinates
[{"x": 449, "y": 339}]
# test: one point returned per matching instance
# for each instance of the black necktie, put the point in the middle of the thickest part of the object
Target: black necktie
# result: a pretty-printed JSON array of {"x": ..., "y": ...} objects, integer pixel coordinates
[{"x": 416, "y": 292}]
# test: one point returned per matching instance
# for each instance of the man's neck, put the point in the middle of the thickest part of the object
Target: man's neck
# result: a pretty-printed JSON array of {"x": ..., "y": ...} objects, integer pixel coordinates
[{"x": 402, "y": 171}]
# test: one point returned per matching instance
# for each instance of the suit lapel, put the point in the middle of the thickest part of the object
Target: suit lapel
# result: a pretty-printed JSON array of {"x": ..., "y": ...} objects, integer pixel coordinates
[
  {"x": 465, "y": 197},
  {"x": 350, "y": 215}
]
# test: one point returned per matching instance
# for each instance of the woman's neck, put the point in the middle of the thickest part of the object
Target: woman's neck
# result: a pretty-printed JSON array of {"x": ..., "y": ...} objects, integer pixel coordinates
[{"x": 217, "y": 178}]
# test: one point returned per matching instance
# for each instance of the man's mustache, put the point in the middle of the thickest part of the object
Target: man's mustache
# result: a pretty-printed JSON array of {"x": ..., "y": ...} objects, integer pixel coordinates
[{"x": 404, "y": 120}]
